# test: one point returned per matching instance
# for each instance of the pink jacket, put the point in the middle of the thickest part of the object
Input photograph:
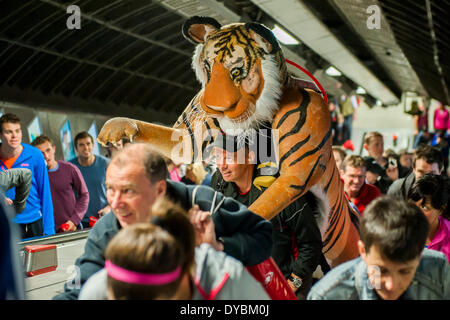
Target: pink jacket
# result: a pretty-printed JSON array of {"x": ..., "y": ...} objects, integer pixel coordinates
[
  {"x": 441, "y": 240},
  {"x": 441, "y": 119},
  {"x": 174, "y": 175}
]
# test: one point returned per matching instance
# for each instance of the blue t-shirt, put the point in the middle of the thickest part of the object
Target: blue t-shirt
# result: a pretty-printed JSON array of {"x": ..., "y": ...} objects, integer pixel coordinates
[{"x": 94, "y": 176}]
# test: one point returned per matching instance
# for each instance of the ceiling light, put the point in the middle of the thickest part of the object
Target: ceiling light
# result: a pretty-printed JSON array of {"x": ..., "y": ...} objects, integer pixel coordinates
[
  {"x": 332, "y": 71},
  {"x": 283, "y": 36},
  {"x": 360, "y": 90}
]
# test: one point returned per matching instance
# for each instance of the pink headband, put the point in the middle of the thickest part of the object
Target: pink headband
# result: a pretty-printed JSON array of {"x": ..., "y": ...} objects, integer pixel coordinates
[{"x": 128, "y": 276}]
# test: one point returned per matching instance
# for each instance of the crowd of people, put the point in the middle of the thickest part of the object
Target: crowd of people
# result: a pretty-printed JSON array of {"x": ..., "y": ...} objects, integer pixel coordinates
[
  {"x": 175, "y": 231},
  {"x": 64, "y": 196}
]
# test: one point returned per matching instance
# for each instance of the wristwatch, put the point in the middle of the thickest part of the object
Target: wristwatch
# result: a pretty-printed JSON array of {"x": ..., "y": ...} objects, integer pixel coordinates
[{"x": 297, "y": 282}]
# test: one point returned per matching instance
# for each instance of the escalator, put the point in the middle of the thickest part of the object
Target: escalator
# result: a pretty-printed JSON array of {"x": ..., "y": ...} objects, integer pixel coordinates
[{"x": 69, "y": 246}]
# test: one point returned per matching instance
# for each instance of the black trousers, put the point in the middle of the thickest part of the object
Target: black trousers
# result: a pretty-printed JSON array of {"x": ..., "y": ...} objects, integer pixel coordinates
[{"x": 33, "y": 229}]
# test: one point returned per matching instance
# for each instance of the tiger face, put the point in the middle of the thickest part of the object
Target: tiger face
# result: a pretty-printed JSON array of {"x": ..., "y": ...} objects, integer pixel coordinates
[{"x": 241, "y": 69}]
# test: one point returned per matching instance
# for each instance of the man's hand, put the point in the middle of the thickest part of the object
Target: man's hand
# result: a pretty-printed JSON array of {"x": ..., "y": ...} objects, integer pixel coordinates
[
  {"x": 104, "y": 211},
  {"x": 72, "y": 226},
  {"x": 8, "y": 201},
  {"x": 291, "y": 285},
  {"x": 204, "y": 228}
]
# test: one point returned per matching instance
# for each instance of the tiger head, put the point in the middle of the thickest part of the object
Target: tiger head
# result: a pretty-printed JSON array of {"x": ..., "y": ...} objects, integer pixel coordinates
[{"x": 242, "y": 71}]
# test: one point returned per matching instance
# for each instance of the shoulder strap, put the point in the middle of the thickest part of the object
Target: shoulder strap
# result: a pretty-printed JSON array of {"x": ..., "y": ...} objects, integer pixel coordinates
[
  {"x": 194, "y": 192},
  {"x": 214, "y": 207}
]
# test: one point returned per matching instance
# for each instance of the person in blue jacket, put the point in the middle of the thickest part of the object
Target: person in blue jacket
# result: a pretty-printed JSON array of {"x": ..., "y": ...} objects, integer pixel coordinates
[{"x": 37, "y": 218}]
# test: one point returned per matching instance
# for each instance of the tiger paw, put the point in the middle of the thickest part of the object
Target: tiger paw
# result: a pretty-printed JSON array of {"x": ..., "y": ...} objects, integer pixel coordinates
[{"x": 116, "y": 129}]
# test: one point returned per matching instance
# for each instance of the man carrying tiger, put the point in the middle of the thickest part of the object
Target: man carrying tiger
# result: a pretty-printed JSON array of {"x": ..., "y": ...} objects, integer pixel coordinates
[{"x": 246, "y": 87}]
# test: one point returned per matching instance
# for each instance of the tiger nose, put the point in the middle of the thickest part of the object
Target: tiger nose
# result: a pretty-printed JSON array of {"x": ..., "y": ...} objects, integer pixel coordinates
[{"x": 221, "y": 91}]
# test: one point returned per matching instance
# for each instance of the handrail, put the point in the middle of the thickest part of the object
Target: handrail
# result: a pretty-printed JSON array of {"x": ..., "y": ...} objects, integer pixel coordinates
[{"x": 56, "y": 239}]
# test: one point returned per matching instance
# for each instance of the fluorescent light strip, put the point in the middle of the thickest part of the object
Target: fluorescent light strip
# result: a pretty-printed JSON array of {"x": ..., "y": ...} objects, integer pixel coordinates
[
  {"x": 360, "y": 90},
  {"x": 332, "y": 71},
  {"x": 283, "y": 36}
]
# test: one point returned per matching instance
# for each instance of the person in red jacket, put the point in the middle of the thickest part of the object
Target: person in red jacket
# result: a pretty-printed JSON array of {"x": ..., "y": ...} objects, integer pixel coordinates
[{"x": 353, "y": 174}]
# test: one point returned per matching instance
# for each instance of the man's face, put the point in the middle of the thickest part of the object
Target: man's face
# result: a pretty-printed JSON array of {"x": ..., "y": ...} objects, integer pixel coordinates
[
  {"x": 231, "y": 166},
  {"x": 353, "y": 179},
  {"x": 406, "y": 160},
  {"x": 130, "y": 193},
  {"x": 48, "y": 151},
  {"x": 372, "y": 177},
  {"x": 423, "y": 167},
  {"x": 85, "y": 147},
  {"x": 11, "y": 134},
  {"x": 389, "y": 279},
  {"x": 375, "y": 147},
  {"x": 337, "y": 159}
]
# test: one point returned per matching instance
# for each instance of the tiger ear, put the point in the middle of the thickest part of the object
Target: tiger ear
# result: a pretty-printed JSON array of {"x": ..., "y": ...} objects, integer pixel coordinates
[
  {"x": 196, "y": 29},
  {"x": 264, "y": 37}
]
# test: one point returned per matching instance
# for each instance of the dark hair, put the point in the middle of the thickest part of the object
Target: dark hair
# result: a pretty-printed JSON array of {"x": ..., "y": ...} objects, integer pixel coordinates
[
  {"x": 390, "y": 153},
  {"x": 437, "y": 187},
  {"x": 403, "y": 152},
  {"x": 9, "y": 118},
  {"x": 173, "y": 218},
  {"x": 155, "y": 168},
  {"x": 145, "y": 248},
  {"x": 154, "y": 163},
  {"x": 82, "y": 135},
  {"x": 429, "y": 154},
  {"x": 160, "y": 247},
  {"x": 395, "y": 227},
  {"x": 41, "y": 139}
]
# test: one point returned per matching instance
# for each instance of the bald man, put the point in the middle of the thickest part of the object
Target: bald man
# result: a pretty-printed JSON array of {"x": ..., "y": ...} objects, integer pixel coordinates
[{"x": 132, "y": 186}]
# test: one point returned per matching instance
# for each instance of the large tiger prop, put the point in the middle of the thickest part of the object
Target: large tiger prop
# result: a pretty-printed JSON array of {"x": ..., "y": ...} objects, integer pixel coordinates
[{"x": 245, "y": 85}]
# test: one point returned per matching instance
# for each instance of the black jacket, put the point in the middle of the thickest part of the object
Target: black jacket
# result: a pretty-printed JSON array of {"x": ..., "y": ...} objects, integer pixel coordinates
[
  {"x": 245, "y": 235},
  {"x": 400, "y": 187},
  {"x": 297, "y": 243}
]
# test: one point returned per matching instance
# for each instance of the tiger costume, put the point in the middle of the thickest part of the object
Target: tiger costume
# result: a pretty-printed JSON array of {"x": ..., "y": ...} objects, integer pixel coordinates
[{"x": 245, "y": 86}]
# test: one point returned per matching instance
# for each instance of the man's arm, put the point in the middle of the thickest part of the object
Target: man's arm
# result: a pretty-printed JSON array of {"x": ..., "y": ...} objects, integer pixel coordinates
[
  {"x": 43, "y": 185},
  {"x": 245, "y": 235},
  {"x": 21, "y": 179},
  {"x": 309, "y": 242},
  {"x": 82, "y": 201}
]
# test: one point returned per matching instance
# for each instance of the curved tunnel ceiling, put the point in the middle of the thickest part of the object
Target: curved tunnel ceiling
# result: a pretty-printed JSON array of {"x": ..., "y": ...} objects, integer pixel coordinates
[
  {"x": 129, "y": 53},
  {"x": 129, "y": 57}
]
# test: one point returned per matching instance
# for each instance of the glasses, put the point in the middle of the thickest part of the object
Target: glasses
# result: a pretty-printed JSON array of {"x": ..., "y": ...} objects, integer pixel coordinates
[{"x": 359, "y": 177}]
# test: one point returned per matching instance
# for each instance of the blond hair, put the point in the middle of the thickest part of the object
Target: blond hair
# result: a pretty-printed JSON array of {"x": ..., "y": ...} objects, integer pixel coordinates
[
  {"x": 369, "y": 136},
  {"x": 354, "y": 161}
]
